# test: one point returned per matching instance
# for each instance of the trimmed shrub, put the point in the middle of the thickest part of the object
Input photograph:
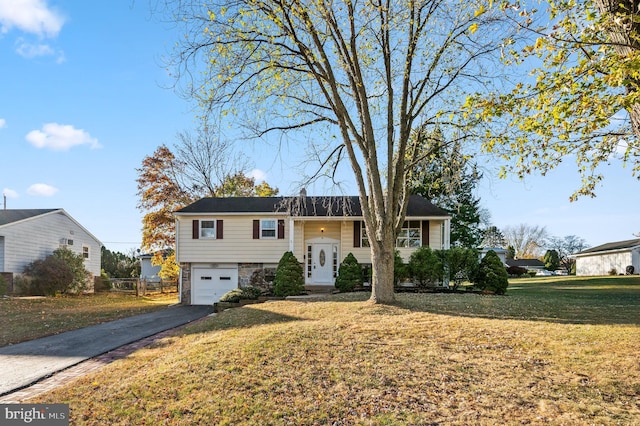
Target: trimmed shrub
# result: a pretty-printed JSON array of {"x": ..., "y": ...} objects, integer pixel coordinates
[
  {"x": 613, "y": 271},
  {"x": 349, "y": 274},
  {"x": 461, "y": 264},
  {"x": 516, "y": 271},
  {"x": 250, "y": 292},
  {"x": 259, "y": 280},
  {"x": 492, "y": 275},
  {"x": 3, "y": 286},
  {"x": 425, "y": 267},
  {"x": 75, "y": 262},
  {"x": 289, "y": 279},
  {"x": 48, "y": 277},
  {"x": 400, "y": 269},
  {"x": 232, "y": 296}
]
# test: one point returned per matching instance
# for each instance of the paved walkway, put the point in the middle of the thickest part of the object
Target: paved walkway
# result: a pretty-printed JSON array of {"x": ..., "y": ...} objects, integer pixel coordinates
[{"x": 24, "y": 364}]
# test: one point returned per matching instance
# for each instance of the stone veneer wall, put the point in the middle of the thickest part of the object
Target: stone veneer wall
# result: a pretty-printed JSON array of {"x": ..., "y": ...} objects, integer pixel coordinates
[
  {"x": 185, "y": 296},
  {"x": 245, "y": 271}
]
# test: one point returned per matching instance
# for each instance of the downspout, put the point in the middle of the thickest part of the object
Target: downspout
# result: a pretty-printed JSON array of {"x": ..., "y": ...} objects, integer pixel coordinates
[{"x": 177, "y": 259}]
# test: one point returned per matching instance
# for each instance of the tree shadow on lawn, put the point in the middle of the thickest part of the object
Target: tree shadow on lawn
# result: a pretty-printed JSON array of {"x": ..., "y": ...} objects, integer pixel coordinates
[
  {"x": 579, "y": 302},
  {"x": 561, "y": 304},
  {"x": 235, "y": 318}
]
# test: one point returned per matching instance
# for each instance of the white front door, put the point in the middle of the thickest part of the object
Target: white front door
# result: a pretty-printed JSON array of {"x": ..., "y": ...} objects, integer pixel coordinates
[{"x": 322, "y": 263}]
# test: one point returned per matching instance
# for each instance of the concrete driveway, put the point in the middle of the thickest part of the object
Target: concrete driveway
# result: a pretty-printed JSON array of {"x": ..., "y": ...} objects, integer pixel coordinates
[{"x": 25, "y": 363}]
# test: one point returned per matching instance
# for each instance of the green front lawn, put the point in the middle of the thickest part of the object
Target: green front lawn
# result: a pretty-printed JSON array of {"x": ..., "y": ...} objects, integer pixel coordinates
[
  {"x": 27, "y": 318},
  {"x": 552, "y": 351}
]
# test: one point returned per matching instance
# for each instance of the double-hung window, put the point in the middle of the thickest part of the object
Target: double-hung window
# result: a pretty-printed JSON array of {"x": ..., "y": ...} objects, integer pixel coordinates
[
  {"x": 207, "y": 229},
  {"x": 268, "y": 228},
  {"x": 410, "y": 234}
]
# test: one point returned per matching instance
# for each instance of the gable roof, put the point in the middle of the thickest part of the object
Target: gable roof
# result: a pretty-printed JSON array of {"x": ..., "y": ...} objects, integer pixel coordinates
[
  {"x": 524, "y": 263},
  {"x": 302, "y": 206},
  {"x": 618, "y": 245},
  {"x": 16, "y": 215},
  {"x": 11, "y": 216}
]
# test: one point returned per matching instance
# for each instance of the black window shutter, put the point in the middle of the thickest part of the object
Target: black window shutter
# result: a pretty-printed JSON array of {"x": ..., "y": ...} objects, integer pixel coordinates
[
  {"x": 356, "y": 233},
  {"x": 256, "y": 229},
  {"x": 219, "y": 229},
  {"x": 280, "y": 229},
  {"x": 195, "y": 230},
  {"x": 425, "y": 233}
]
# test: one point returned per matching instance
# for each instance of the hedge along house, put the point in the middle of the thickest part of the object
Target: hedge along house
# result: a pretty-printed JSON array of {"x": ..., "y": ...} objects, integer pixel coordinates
[{"x": 221, "y": 242}]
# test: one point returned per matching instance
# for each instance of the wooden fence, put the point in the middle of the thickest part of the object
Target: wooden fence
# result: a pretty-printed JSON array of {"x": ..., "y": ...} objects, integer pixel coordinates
[{"x": 142, "y": 287}]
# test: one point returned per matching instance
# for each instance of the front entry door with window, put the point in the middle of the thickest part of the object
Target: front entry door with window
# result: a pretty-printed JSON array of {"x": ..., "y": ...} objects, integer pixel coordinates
[{"x": 322, "y": 263}]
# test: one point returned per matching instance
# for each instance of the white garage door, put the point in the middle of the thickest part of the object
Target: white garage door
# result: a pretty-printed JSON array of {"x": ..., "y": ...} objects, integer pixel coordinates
[{"x": 210, "y": 284}]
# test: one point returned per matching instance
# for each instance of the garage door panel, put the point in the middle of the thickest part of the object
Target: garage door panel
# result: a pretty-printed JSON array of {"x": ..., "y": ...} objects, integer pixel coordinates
[{"x": 209, "y": 285}]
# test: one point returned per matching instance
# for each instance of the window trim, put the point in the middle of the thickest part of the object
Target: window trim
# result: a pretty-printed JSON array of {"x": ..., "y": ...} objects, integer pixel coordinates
[
  {"x": 274, "y": 229},
  {"x": 86, "y": 253}
]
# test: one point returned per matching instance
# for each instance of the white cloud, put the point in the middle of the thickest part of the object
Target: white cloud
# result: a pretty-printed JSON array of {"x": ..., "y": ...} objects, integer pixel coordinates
[
  {"x": 30, "y": 16},
  {"x": 258, "y": 175},
  {"x": 60, "y": 137},
  {"x": 9, "y": 193},
  {"x": 3, "y": 123},
  {"x": 30, "y": 50},
  {"x": 41, "y": 190}
]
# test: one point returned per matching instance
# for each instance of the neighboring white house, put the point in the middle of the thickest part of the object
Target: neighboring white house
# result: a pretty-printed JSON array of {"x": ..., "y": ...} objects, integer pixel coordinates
[
  {"x": 603, "y": 259},
  {"x": 221, "y": 242},
  {"x": 31, "y": 234},
  {"x": 502, "y": 253}
]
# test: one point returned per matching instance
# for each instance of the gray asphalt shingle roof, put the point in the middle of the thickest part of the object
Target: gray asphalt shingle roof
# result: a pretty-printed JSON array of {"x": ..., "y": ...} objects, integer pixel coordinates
[
  {"x": 16, "y": 215},
  {"x": 618, "y": 245},
  {"x": 303, "y": 206}
]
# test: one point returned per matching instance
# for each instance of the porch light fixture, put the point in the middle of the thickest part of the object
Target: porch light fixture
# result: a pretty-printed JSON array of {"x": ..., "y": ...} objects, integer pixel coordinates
[{"x": 322, "y": 230}]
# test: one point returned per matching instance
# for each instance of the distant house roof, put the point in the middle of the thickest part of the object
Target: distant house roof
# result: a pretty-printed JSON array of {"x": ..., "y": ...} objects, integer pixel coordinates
[
  {"x": 618, "y": 245},
  {"x": 16, "y": 215},
  {"x": 302, "y": 206},
  {"x": 525, "y": 263}
]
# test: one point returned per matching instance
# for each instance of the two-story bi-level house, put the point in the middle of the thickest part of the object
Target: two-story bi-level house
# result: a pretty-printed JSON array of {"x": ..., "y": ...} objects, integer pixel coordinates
[{"x": 221, "y": 242}]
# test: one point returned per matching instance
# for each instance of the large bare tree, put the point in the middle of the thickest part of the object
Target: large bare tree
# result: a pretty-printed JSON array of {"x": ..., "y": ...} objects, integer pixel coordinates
[{"x": 362, "y": 74}]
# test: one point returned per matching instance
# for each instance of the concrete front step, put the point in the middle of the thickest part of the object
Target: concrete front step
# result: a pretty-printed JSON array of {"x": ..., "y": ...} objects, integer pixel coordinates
[{"x": 319, "y": 289}]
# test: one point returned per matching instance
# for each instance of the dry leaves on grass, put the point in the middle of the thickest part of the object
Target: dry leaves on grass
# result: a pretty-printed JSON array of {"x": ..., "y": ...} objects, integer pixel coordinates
[{"x": 347, "y": 362}]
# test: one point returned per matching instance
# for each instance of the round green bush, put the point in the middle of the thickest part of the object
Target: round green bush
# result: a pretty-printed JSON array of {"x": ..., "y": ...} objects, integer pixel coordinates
[
  {"x": 349, "y": 274},
  {"x": 289, "y": 280},
  {"x": 232, "y": 296}
]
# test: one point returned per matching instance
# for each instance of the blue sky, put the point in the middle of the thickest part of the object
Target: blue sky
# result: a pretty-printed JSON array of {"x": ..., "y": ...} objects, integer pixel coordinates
[{"x": 83, "y": 100}]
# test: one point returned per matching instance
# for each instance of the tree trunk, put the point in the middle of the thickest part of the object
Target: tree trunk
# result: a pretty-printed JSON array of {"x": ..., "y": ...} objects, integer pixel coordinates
[
  {"x": 382, "y": 256},
  {"x": 621, "y": 25}
]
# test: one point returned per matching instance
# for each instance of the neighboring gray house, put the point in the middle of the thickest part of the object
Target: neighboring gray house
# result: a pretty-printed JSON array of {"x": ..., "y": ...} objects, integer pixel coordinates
[
  {"x": 148, "y": 271},
  {"x": 603, "y": 259},
  {"x": 221, "y": 242},
  {"x": 31, "y": 234}
]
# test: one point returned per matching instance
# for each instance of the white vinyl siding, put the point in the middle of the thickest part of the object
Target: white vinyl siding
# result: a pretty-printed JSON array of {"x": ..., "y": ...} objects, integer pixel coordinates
[
  {"x": 236, "y": 246},
  {"x": 37, "y": 237},
  {"x": 602, "y": 263}
]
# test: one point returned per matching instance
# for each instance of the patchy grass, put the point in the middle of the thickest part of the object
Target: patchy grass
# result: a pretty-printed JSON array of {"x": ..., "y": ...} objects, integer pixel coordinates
[
  {"x": 26, "y": 318},
  {"x": 455, "y": 359}
]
